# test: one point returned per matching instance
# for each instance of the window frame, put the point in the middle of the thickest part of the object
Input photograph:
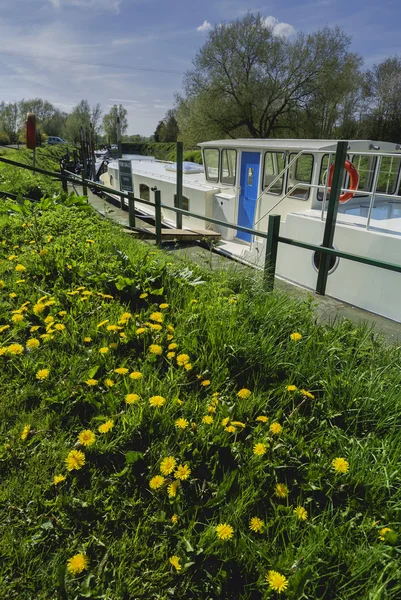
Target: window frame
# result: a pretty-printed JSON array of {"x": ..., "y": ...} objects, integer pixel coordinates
[
  {"x": 183, "y": 207},
  {"x": 221, "y": 166},
  {"x": 292, "y": 154},
  {"x": 145, "y": 185},
  {"x": 218, "y": 164},
  {"x": 396, "y": 179},
  {"x": 264, "y": 167}
]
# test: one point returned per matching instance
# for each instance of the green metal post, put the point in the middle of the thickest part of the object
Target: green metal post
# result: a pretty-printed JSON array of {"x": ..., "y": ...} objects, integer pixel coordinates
[
  {"x": 64, "y": 181},
  {"x": 331, "y": 217},
  {"x": 84, "y": 186},
  {"x": 179, "y": 182},
  {"x": 273, "y": 232},
  {"x": 158, "y": 218},
  {"x": 131, "y": 209}
]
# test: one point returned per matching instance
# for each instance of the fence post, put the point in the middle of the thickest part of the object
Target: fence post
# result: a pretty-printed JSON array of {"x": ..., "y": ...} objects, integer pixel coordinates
[
  {"x": 63, "y": 181},
  {"x": 84, "y": 186},
  {"x": 328, "y": 236},
  {"x": 158, "y": 218},
  {"x": 271, "y": 251},
  {"x": 131, "y": 209},
  {"x": 179, "y": 182}
]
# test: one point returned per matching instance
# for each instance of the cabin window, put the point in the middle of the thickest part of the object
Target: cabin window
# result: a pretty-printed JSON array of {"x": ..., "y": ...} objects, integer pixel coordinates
[
  {"x": 273, "y": 165},
  {"x": 185, "y": 202},
  {"x": 388, "y": 175},
  {"x": 300, "y": 173},
  {"x": 211, "y": 159},
  {"x": 144, "y": 192},
  {"x": 365, "y": 165},
  {"x": 228, "y": 166}
]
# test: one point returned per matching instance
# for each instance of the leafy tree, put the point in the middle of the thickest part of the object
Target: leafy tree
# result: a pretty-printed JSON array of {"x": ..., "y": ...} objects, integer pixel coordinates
[
  {"x": 383, "y": 115},
  {"x": 110, "y": 122},
  {"x": 82, "y": 116},
  {"x": 9, "y": 120},
  {"x": 167, "y": 130},
  {"x": 247, "y": 78}
]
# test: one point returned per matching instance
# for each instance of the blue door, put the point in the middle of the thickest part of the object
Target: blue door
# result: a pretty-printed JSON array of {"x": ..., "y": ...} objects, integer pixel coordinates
[{"x": 249, "y": 192}]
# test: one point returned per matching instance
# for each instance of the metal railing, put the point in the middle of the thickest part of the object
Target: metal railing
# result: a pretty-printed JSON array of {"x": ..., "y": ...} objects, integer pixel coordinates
[{"x": 272, "y": 235}]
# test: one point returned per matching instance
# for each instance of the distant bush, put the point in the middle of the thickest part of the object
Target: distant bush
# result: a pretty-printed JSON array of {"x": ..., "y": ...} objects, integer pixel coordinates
[
  {"x": 4, "y": 139},
  {"x": 160, "y": 151},
  {"x": 193, "y": 156}
]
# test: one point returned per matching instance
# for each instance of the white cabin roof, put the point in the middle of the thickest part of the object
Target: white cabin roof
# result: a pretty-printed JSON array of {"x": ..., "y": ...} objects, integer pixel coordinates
[{"x": 297, "y": 145}]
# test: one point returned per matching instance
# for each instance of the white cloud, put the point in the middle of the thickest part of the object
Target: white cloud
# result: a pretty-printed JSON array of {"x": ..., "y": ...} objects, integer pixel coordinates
[
  {"x": 278, "y": 27},
  {"x": 205, "y": 26},
  {"x": 55, "y": 3},
  {"x": 109, "y": 5}
]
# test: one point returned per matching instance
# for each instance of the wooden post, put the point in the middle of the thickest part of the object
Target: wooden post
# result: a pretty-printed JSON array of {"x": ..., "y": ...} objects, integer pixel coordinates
[
  {"x": 328, "y": 236},
  {"x": 158, "y": 218},
  {"x": 131, "y": 209},
  {"x": 64, "y": 181},
  {"x": 179, "y": 183},
  {"x": 273, "y": 232}
]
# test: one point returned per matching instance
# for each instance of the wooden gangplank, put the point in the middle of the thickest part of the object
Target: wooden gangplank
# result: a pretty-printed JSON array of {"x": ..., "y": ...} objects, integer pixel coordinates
[{"x": 169, "y": 235}]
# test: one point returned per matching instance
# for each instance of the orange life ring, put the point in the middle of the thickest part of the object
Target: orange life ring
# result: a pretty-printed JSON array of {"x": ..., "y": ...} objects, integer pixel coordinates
[{"x": 354, "y": 180}]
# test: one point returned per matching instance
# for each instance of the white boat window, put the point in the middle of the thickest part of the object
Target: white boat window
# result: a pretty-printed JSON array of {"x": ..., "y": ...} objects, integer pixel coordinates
[
  {"x": 365, "y": 165},
  {"x": 388, "y": 175},
  {"x": 300, "y": 173},
  {"x": 273, "y": 165},
  {"x": 144, "y": 192},
  {"x": 211, "y": 157},
  {"x": 228, "y": 166},
  {"x": 185, "y": 202}
]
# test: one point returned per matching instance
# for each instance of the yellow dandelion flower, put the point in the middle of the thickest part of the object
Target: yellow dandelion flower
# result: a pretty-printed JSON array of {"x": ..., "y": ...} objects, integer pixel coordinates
[
  {"x": 42, "y": 374},
  {"x": 174, "y": 518},
  {"x": 90, "y": 241},
  {"x": 169, "y": 337},
  {"x": 59, "y": 327},
  {"x": 75, "y": 460},
  {"x": 15, "y": 349},
  {"x": 105, "y": 427},
  {"x": 340, "y": 465},
  {"x": 155, "y": 326},
  {"x": 109, "y": 383},
  {"x": 182, "y": 359},
  {"x": 175, "y": 562},
  {"x": 383, "y": 532},
  {"x": 205, "y": 382},
  {"x": 244, "y": 394},
  {"x": 155, "y": 349},
  {"x": 77, "y": 564},
  {"x": 4, "y": 327},
  {"x": 13, "y": 295},
  {"x": 182, "y": 472},
  {"x": 3, "y": 351},
  {"x": 91, "y": 382},
  {"x": 156, "y": 482},
  {"x": 121, "y": 371},
  {"x": 62, "y": 313},
  {"x": 102, "y": 323},
  {"x": 25, "y": 432},
  {"x": 135, "y": 375},
  {"x": 173, "y": 488},
  {"x": 86, "y": 438},
  {"x": 276, "y": 581},
  {"x": 42, "y": 252},
  {"x": 291, "y": 388},
  {"x": 211, "y": 408},
  {"x": 301, "y": 513},
  {"x": 262, "y": 419},
  {"x": 259, "y": 449},
  {"x": 188, "y": 367},
  {"x": 172, "y": 346},
  {"x": 87, "y": 339},
  {"x": 238, "y": 424},
  {"x": 125, "y": 317},
  {"x": 157, "y": 401},
  {"x": 140, "y": 330},
  {"x": 170, "y": 328},
  {"x": 59, "y": 479},
  {"x": 132, "y": 398},
  {"x": 32, "y": 343},
  {"x": 281, "y": 490},
  {"x": 17, "y": 318},
  {"x": 225, "y": 421},
  {"x": 20, "y": 268},
  {"x": 113, "y": 328},
  {"x": 170, "y": 355},
  {"x": 167, "y": 465},
  {"x": 295, "y": 337},
  {"x": 208, "y": 419},
  {"x": 103, "y": 350},
  {"x": 49, "y": 319},
  {"x": 181, "y": 423},
  {"x": 157, "y": 317},
  {"x": 307, "y": 394},
  {"x": 163, "y": 305},
  {"x": 224, "y": 531},
  {"x": 2, "y": 284},
  {"x": 256, "y": 524},
  {"x": 143, "y": 295},
  {"x": 275, "y": 428}
]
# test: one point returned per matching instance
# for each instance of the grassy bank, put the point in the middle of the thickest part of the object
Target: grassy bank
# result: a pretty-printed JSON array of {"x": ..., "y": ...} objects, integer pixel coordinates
[{"x": 164, "y": 434}]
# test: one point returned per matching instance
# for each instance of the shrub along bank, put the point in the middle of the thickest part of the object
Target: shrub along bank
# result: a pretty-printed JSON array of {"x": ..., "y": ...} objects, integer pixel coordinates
[{"x": 168, "y": 432}]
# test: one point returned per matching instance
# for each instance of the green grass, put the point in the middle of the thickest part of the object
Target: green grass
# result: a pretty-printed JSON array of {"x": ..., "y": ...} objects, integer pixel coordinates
[{"x": 236, "y": 336}]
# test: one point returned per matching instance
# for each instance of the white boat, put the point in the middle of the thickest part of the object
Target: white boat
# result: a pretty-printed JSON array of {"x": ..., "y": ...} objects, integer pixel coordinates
[{"x": 245, "y": 180}]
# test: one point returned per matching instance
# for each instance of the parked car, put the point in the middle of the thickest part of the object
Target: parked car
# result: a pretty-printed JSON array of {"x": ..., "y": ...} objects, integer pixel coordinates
[{"x": 55, "y": 140}]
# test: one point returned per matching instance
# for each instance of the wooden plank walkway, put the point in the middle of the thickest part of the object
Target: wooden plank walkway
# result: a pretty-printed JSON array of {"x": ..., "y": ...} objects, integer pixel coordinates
[{"x": 186, "y": 235}]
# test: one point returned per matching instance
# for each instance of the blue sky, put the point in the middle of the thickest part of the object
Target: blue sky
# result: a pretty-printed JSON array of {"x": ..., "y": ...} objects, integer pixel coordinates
[{"x": 159, "y": 39}]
